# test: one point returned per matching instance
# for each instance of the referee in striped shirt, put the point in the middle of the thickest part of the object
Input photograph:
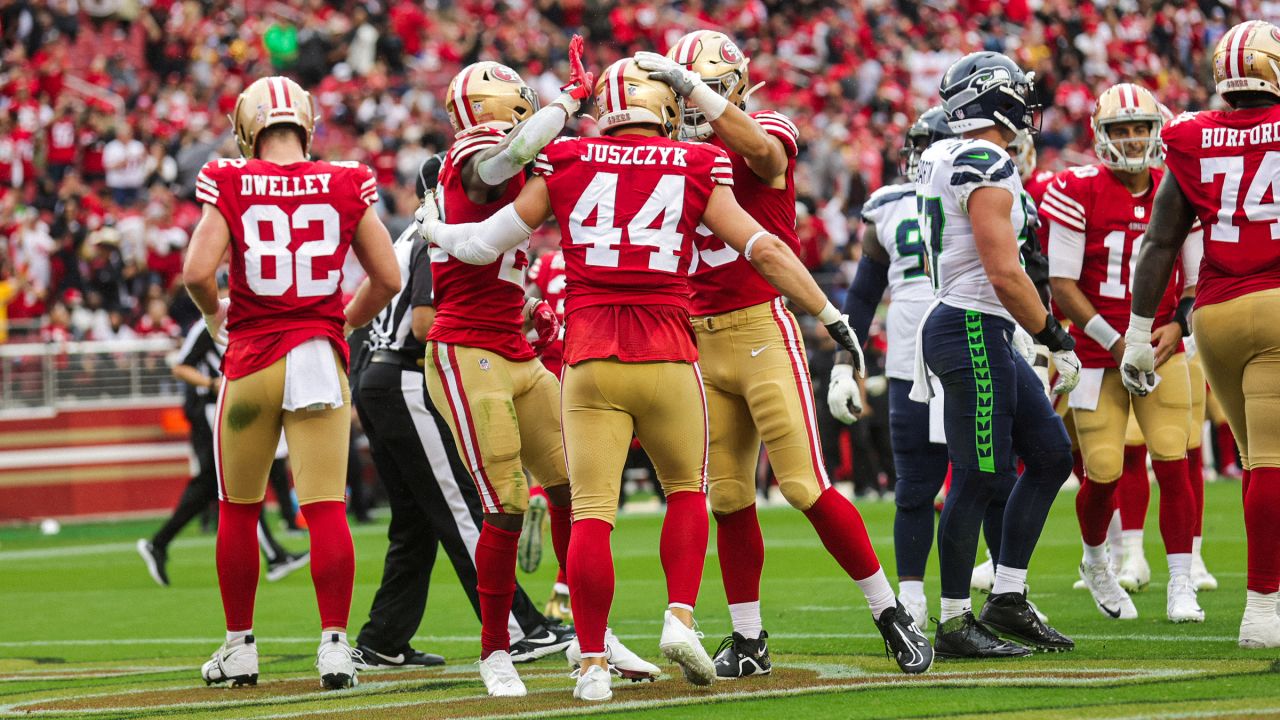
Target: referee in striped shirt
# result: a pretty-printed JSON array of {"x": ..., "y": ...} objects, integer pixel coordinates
[{"x": 433, "y": 499}]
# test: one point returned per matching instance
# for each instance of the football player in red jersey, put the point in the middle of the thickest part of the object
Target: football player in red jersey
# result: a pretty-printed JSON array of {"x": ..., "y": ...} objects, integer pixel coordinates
[
  {"x": 1096, "y": 215},
  {"x": 288, "y": 223},
  {"x": 754, "y": 364},
  {"x": 1222, "y": 169},
  {"x": 503, "y": 405},
  {"x": 547, "y": 279},
  {"x": 628, "y": 204}
]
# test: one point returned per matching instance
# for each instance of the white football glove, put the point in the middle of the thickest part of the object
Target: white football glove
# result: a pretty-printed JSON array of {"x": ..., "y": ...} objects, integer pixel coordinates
[
  {"x": 1023, "y": 344},
  {"x": 217, "y": 322},
  {"x": 662, "y": 68},
  {"x": 427, "y": 216},
  {"x": 1138, "y": 366},
  {"x": 1068, "y": 367},
  {"x": 843, "y": 396}
]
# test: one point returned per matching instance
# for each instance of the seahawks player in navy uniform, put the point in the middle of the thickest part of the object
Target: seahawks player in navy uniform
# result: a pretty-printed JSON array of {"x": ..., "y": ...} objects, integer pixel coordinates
[{"x": 973, "y": 219}]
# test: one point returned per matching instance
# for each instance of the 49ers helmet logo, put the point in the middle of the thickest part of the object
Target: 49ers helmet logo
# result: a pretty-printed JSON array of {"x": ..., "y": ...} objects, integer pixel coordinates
[
  {"x": 730, "y": 53},
  {"x": 506, "y": 74}
]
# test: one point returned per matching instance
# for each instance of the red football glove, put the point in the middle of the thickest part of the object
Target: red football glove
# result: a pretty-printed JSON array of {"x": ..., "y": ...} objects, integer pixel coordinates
[
  {"x": 581, "y": 83},
  {"x": 546, "y": 324}
]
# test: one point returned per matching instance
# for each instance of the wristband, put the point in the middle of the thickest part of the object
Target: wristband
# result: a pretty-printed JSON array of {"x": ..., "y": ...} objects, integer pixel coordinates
[
  {"x": 1101, "y": 331},
  {"x": 711, "y": 103},
  {"x": 1139, "y": 329},
  {"x": 746, "y": 252},
  {"x": 1183, "y": 314},
  {"x": 829, "y": 314},
  {"x": 1054, "y": 337}
]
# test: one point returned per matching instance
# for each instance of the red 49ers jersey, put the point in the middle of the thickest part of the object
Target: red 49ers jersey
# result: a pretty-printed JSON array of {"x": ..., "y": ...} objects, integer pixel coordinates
[
  {"x": 548, "y": 275},
  {"x": 628, "y": 207},
  {"x": 291, "y": 227},
  {"x": 478, "y": 306},
  {"x": 723, "y": 280},
  {"x": 1228, "y": 166},
  {"x": 1091, "y": 200}
]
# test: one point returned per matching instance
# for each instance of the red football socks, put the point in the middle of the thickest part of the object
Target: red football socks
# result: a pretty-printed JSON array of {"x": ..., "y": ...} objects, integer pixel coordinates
[
  {"x": 1260, "y": 503},
  {"x": 1077, "y": 465},
  {"x": 1195, "y": 472},
  {"x": 1134, "y": 493},
  {"x": 843, "y": 533},
  {"x": 741, "y": 550},
  {"x": 496, "y": 585},
  {"x": 683, "y": 547},
  {"x": 591, "y": 582},
  {"x": 1095, "y": 504},
  {"x": 561, "y": 526},
  {"x": 237, "y": 558},
  {"x": 1176, "y": 505},
  {"x": 333, "y": 560}
]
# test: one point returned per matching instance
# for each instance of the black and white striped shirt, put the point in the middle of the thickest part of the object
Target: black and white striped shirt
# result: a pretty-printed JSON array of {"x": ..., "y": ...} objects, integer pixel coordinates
[
  {"x": 393, "y": 328},
  {"x": 202, "y": 353}
]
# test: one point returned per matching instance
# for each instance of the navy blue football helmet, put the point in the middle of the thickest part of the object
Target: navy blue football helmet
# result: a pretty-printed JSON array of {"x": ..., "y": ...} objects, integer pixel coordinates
[
  {"x": 986, "y": 89},
  {"x": 929, "y": 128}
]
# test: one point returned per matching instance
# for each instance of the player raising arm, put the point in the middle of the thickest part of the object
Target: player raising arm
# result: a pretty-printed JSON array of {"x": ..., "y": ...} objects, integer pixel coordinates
[
  {"x": 288, "y": 222},
  {"x": 1222, "y": 167}
]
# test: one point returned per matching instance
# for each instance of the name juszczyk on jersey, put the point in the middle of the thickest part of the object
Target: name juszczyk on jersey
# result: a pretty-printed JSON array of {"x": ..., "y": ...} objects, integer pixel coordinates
[
  {"x": 277, "y": 186},
  {"x": 652, "y": 155},
  {"x": 1231, "y": 137}
]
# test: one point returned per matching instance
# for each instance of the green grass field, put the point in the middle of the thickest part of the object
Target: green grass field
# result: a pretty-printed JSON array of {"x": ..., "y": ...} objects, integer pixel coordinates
[{"x": 84, "y": 632}]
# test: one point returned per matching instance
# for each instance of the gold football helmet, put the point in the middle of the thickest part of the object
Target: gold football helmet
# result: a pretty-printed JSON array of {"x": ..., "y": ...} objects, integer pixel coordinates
[
  {"x": 1247, "y": 59},
  {"x": 722, "y": 66},
  {"x": 274, "y": 100},
  {"x": 1126, "y": 103},
  {"x": 626, "y": 96},
  {"x": 488, "y": 93}
]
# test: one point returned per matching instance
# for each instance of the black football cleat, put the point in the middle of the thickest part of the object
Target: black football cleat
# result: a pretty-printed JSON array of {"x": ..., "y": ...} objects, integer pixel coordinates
[
  {"x": 1010, "y": 614},
  {"x": 904, "y": 641},
  {"x": 547, "y": 639},
  {"x": 740, "y": 657},
  {"x": 156, "y": 558},
  {"x": 370, "y": 659},
  {"x": 965, "y": 637}
]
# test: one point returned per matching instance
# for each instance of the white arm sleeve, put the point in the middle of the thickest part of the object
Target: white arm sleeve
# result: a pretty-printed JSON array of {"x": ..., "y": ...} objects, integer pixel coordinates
[
  {"x": 483, "y": 242},
  {"x": 535, "y": 134},
  {"x": 1066, "y": 251},
  {"x": 1192, "y": 254}
]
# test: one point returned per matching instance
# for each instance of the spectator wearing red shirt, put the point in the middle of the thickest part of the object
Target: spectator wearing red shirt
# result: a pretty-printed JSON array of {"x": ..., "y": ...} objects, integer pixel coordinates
[
  {"x": 157, "y": 323},
  {"x": 61, "y": 143}
]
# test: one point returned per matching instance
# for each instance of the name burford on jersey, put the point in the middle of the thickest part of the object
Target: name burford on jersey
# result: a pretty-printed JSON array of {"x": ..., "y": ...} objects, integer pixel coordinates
[
  {"x": 950, "y": 171},
  {"x": 892, "y": 210}
]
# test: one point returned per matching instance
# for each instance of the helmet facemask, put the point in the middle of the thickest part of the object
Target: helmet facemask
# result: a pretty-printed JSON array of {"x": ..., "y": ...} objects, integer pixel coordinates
[
  {"x": 1114, "y": 153},
  {"x": 694, "y": 124}
]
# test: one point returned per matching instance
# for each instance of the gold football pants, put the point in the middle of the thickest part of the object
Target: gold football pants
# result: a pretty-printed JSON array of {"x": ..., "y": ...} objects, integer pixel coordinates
[
  {"x": 250, "y": 417},
  {"x": 757, "y": 378},
  {"x": 1239, "y": 344},
  {"x": 605, "y": 402},
  {"x": 504, "y": 415}
]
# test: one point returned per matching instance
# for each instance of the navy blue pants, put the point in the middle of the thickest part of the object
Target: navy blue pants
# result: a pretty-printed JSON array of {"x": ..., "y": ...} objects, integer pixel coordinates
[
  {"x": 922, "y": 468},
  {"x": 995, "y": 412}
]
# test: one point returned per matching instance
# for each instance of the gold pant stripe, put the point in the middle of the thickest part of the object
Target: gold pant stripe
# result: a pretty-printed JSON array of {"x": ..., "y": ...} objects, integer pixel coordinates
[
  {"x": 799, "y": 364},
  {"x": 446, "y": 363}
]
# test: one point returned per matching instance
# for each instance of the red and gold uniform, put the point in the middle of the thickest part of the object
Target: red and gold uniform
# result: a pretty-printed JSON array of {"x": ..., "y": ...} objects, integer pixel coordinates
[
  {"x": 503, "y": 405},
  {"x": 548, "y": 275}
]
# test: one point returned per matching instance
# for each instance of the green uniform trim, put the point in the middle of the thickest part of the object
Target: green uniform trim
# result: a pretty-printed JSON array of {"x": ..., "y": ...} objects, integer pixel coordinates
[{"x": 985, "y": 402}]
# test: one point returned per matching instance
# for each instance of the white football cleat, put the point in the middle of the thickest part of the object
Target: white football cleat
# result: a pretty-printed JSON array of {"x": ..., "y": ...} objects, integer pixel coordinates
[
  {"x": 1259, "y": 630},
  {"x": 1201, "y": 578},
  {"x": 983, "y": 577},
  {"x": 682, "y": 645},
  {"x": 235, "y": 662},
  {"x": 500, "y": 676},
  {"x": 919, "y": 609},
  {"x": 1110, "y": 599},
  {"x": 594, "y": 685},
  {"x": 336, "y": 661},
  {"x": 1181, "y": 603},
  {"x": 1135, "y": 573},
  {"x": 622, "y": 660}
]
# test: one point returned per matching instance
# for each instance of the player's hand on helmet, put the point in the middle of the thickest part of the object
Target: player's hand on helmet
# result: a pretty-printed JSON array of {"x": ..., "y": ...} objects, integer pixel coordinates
[
  {"x": 1068, "y": 367},
  {"x": 1023, "y": 344},
  {"x": 217, "y": 322},
  {"x": 1138, "y": 367},
  {"x": 844, "y": 397},
  {"x": 427, "y": 216},
  {"x": 844, "y": 336},
  {"x": 662, "y": 68},
  {"x": 546, "y": 324}
]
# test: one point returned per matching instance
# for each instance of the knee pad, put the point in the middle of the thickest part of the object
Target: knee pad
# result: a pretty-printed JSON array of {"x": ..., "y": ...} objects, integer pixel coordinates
[
  {"x": 729, "y": 495},
  {"x": 1168, "y": 443},
  {"x": 1055, "y": 465},
  {"x": 801, "y": 493},
  {"x": 913, "y": 494},
  {"x": 496, "y": 428}
]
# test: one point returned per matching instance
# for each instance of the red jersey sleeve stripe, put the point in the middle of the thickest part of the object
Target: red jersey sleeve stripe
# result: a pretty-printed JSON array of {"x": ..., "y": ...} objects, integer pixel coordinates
[
  {"x": 204, "y": 196},
  {"x": 1054, "y": 213},
  {"x": 1065, "y": 200}
]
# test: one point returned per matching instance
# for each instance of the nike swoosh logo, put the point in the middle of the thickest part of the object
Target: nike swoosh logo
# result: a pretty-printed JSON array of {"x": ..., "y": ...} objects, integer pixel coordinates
[
  {"x": 1113, "y": 613},
  {"x": 394, "y": 659},
  {"x": 917, "y": 657},
  {"x": 547, "y": 639},
  {"x": 757, "y": 352},
  {"x": 976, "y": 156}
]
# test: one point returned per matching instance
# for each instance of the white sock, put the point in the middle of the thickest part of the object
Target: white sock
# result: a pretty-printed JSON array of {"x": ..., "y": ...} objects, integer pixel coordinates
[
  {"x": 1114, "y": 529},
  {"x": 1009, "y": 580},
  {"x": 879, "y": 592},
  {"x": 560, "y": 589},
  {"x": 1132, "y": 538},
  {"x": 1256, "y": 603},
  {"x": 955, "y": 608},
  {"x": 913, "y": 589},
  {"x": 1179, "y": 564},
  {"x": 1095, "y": 554},
  {"x": 1196, "y": 542},
  {"x": 327, "y": 636},
  {"x": 746, "y": 619},
  {"x": 234, "y": 636}
]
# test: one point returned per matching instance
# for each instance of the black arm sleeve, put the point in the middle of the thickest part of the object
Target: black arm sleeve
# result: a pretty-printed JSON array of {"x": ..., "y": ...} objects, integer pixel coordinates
[
  {"x": 1037, "y": 266},
  {"x": 420, "y": 275},
  {"x": 865, "y": 294}
]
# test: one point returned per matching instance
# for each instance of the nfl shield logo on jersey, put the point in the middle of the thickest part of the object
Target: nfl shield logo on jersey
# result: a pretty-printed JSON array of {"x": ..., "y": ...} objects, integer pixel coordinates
[
  {"x": 484, "y": 364},
  {"x": 1139, "y": 212}
]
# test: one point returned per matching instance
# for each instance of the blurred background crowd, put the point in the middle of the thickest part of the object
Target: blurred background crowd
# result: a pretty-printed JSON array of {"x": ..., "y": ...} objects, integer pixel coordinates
[{"x": 108, "y": 108}]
